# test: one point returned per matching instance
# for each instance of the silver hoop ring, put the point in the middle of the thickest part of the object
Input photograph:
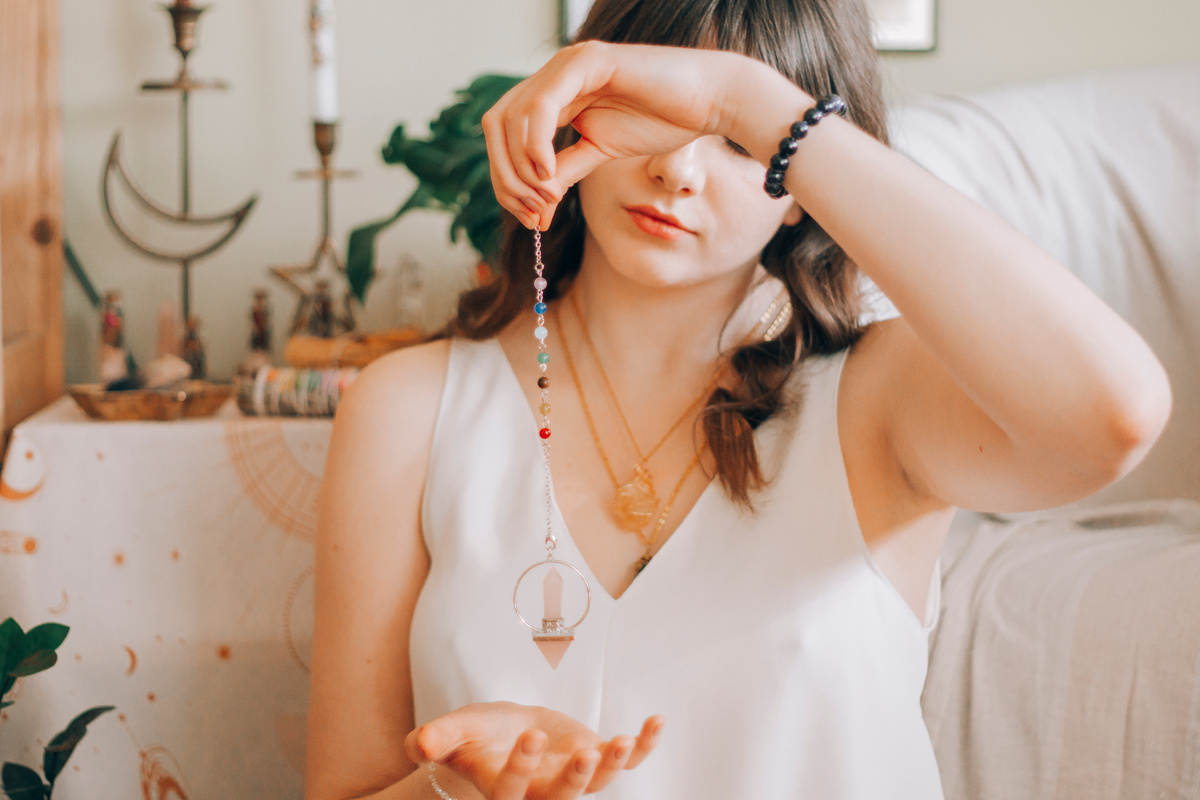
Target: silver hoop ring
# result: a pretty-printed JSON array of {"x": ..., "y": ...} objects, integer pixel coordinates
[{"x": 571, "y": 567}]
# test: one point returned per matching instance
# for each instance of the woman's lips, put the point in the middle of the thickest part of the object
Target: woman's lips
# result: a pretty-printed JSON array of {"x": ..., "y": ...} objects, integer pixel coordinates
[{"x": 656, "y": 223}]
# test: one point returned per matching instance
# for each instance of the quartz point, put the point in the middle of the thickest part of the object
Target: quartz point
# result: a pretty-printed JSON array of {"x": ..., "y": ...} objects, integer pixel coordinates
[{"x": 554, "y": 638}]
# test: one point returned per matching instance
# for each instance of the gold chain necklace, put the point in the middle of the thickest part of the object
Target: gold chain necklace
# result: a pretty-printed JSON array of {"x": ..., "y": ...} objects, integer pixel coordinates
[
  {"x": 636, "y": 500},
  {"x": 651, "y": 538}
]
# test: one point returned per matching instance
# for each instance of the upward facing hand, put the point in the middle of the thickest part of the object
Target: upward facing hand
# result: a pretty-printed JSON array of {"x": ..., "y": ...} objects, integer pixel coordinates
[
  {"x": 511, "y": 751},
  {"x": 624, "y": 100}
]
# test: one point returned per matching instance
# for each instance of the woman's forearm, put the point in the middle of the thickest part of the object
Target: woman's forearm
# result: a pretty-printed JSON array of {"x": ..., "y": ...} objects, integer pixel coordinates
[{"x": 1036, "y": 350}]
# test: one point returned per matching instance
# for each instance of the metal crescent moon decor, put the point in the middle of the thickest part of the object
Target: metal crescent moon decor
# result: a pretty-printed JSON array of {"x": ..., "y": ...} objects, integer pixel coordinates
[
  {"x": 184, "y": 17},
  {"x": 230, "y": 220}
]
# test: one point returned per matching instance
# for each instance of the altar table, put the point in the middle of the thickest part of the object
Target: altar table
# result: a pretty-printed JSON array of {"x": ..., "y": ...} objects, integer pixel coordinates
[{"x": 180, "y": 554}]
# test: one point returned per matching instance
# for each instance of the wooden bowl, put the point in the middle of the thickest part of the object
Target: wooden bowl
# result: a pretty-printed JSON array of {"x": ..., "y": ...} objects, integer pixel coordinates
[{"x": 191, "y": 399}]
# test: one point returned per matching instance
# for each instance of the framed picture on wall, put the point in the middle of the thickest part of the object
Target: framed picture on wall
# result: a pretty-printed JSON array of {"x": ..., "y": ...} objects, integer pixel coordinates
[{"x": 895, "y": 24}]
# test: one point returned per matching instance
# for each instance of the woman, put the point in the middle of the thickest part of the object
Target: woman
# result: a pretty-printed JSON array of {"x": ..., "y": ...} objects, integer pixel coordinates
[{"x": 800, "y": 468}]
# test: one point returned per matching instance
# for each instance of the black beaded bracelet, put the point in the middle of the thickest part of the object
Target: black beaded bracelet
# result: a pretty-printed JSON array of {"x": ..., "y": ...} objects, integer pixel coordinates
[{"x": 829, "y": 104}]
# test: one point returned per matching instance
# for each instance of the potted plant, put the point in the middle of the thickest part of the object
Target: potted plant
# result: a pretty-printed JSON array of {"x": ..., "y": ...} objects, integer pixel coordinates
[
  {"x": 451, "y": 167},
  {"x": 24, "y": 653}
]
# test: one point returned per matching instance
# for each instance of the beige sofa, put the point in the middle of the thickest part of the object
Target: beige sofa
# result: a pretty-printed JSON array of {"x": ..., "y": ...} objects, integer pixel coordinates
[{"x": 1065, "y": 664}]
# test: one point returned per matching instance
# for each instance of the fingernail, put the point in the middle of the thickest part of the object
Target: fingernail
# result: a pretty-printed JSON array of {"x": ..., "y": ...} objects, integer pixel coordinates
[
  {"x": 531, "y": 746},
  {"x": 543, "y": 173},
  {"x": 621, "y": 752}
]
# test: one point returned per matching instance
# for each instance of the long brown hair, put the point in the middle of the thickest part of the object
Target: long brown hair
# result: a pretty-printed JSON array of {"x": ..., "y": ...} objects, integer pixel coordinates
[{"x": 824, "y": 46}]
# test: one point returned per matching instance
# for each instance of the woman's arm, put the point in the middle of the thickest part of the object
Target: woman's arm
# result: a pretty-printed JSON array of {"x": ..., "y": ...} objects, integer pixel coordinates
[
  {"x": 1007, "y": 385},
  {"x": 370, "y": 566}
]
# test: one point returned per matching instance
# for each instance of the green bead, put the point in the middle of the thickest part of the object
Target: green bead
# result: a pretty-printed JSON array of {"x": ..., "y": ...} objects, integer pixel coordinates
[{"x": 543, "y": 358}]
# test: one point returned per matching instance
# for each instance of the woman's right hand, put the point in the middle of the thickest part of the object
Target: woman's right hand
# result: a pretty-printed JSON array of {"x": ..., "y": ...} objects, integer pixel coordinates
[
  {"x": 510, "y": 751},
  {"x": 625, "y": 100}
]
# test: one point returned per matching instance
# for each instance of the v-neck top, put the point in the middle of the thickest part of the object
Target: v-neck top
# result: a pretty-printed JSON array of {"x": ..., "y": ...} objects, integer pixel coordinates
[{"x": 785, "y": 663}]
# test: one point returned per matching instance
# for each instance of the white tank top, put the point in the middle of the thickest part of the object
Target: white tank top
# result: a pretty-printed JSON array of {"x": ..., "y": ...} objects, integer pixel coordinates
[{"x": 785, "y": 663}]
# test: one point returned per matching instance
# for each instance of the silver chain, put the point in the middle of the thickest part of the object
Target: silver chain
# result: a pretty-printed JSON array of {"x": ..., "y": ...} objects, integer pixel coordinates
[{"x": 538, "y": 267}]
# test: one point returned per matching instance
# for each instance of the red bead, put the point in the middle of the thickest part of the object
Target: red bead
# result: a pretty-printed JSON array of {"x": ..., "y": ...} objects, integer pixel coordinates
[{"x": 544, "y": 433}]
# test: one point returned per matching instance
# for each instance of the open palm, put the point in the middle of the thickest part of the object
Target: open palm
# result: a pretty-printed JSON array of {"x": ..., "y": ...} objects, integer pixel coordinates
[{"x": 510, "y": 751}]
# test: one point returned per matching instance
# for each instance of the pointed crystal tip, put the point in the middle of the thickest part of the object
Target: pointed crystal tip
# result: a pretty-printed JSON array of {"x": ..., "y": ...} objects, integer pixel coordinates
[{"x": 553, "y": 650}]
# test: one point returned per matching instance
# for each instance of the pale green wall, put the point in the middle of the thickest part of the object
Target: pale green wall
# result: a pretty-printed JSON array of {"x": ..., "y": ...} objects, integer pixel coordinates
[{"x": 400, "y": 60}]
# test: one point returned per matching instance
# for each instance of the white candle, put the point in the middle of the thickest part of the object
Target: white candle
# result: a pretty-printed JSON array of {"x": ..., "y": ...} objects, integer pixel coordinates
[{"x": 324, "y": 76}]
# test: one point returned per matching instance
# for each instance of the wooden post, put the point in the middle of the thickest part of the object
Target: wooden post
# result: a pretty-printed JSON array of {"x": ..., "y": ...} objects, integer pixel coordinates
[{"x": 30, "y": 208}]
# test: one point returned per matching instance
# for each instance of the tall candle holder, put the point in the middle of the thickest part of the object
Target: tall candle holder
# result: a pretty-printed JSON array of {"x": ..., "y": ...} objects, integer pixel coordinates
[
  {"x": 184, "y": 18},
  {"x": 314, "y": 309}
]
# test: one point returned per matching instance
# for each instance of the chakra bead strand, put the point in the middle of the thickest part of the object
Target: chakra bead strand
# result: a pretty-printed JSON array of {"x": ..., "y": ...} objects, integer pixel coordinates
[{"x": 543, "y": 361}]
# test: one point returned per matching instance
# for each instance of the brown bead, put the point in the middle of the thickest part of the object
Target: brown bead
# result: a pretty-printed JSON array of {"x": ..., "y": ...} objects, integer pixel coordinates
[{"x": 543, "y": 382}]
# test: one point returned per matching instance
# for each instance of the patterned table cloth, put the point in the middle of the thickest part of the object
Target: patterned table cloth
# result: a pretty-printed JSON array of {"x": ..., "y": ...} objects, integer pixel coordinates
[{"x": 180, "y": 555}]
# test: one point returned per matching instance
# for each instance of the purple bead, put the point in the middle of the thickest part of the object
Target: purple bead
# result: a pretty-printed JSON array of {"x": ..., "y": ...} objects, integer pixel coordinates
[
  {"x": 799, "y": 129},
  {"x": 813, "y": 116},
  {"x": 775, "y": 176},
  {"x": 779, "y": 162},
  {"x": 788, "y": 147},
  {"x": 775, "y": 190},
  {"x": 832, "y": 104}
]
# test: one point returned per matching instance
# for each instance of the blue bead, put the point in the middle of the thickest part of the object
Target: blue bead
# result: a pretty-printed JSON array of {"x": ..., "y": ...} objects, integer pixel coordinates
[{"x": 539, "y": 308}]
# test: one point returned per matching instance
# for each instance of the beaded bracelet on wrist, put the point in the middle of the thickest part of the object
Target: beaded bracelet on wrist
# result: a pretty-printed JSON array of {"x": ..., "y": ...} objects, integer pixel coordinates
[{"x": 829, "y": 104}]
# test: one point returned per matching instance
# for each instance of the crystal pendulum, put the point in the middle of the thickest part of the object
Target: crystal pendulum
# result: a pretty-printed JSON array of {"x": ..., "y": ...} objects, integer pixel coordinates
[{"x": 552, "y": 637}]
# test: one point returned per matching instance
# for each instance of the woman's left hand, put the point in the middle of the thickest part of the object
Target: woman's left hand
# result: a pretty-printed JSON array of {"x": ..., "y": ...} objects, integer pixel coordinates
[{"x": 624, "y": 100}]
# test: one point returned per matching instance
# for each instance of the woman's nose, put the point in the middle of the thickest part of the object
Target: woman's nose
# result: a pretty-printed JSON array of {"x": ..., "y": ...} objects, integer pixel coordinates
[{"x": 680, "y": 170}]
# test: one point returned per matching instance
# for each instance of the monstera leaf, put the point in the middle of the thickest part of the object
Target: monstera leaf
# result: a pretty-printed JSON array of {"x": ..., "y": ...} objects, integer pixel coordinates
[{"x": 451, "y": 167}]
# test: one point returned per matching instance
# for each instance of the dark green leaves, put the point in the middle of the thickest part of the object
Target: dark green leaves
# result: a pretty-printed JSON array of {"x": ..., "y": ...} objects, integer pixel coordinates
[
  {"x": 26, "y": 653},
  {"x": 22, "y": 783},
  {"x": 59, "y": 751},
  {"x": 451, "y": 166}
]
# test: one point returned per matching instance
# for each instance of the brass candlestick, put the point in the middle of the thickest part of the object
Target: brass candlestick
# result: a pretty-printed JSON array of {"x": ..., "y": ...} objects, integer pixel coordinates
[
  {"x": 315, "y": 309},
  {"x": 184, "y": 18}
]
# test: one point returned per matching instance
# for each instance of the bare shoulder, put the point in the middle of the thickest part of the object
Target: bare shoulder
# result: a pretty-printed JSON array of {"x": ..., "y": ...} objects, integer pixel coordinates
[
  {"x": 403, "y": 388},
  {"x": 383, "y": 434}
]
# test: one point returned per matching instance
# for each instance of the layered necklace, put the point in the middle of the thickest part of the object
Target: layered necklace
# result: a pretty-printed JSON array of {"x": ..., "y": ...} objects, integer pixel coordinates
[{"x": 636, "y": 502}]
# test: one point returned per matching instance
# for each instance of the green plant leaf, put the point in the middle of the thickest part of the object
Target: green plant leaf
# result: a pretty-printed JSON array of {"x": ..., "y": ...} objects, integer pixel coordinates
[
  {"x": 451, "y": 167},
  {"x": 59, "y": 751},
  {"x": 5, "y": 703},
  {"x": 360, "y": 249},
  {"x": 10, "y": 644},
  {"x": 47, "y": 636},
  {"x": 35, "y": 662},
  {"x": 22, "y": 783}
]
